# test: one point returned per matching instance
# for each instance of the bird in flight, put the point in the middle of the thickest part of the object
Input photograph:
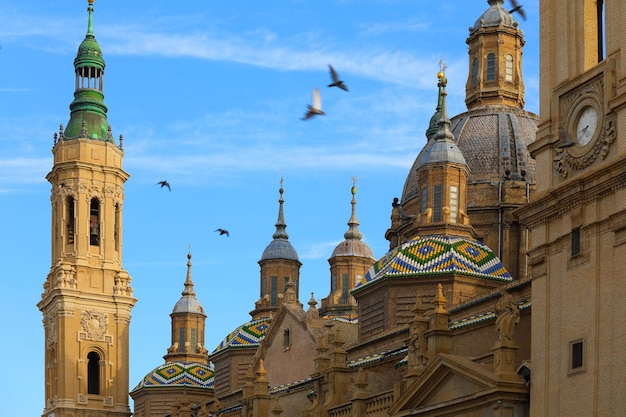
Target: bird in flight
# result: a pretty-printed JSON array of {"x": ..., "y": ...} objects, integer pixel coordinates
[
  {"x": 336, "y": 81},
  {"x": 517, "y": 8},
  {"x": 164, "y": 184},
  {"x": 315, "y": 108},
  {"x": 222, "y": 232}
]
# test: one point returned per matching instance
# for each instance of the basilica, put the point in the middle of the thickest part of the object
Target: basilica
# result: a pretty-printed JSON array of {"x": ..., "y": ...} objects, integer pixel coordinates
[{"x": 500, "y": 295}]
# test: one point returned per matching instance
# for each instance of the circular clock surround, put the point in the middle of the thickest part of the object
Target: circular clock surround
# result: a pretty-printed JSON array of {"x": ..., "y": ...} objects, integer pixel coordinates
[
  {"x": 584, "y": 122},
  {"x": 586, "y": 125}
]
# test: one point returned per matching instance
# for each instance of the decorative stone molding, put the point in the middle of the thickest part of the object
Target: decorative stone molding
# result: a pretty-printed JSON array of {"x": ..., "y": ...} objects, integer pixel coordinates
[{"x": 94, "y": 325}]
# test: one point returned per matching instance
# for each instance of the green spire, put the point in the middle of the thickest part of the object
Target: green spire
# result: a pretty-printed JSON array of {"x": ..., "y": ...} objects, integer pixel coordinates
[
  {"x": 433, "y": 126},
  {"x": 88, "y": 111}
]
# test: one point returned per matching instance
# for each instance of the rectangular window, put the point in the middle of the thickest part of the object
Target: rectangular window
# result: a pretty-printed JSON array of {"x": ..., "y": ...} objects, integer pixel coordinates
[
  {"x": 193, "y": 341},
  {"x": 576, "y": 355},
  {"x": 70, "y": 220},
  {"x": 94, "y": 222},
  {"x": 345, "y": 289},
  {"x": 576, "y": 241},
  {"x": 454, "y": 203},
  {"x": 491, "y": 67},
  {"x": 333, "y": 283},
  {"x": 508, "y": 75},
  {"x": 274, "y": 291},
  {"x": 600, "y": 26},
  {"x": 182, "y": 338},
  {"x": 424, "y": 200},
  {"x": 263, "y": 287},
  {"x": 437, "y": 203}
]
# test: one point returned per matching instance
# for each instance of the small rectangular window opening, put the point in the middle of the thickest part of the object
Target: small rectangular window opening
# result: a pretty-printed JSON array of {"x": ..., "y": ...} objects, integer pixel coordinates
[
  {"x": 576, "y": 241},
  {"x": 577, "y": 355}
]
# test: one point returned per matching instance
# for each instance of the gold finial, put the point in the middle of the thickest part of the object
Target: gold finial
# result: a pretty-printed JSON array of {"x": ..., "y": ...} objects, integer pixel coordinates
[
  {"x": 91, "y": 1},
  {"x": 353, "y": 189}
]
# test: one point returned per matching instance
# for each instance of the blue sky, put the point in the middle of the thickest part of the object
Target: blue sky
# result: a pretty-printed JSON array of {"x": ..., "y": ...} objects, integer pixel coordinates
[{"x": 208, "y": 96}]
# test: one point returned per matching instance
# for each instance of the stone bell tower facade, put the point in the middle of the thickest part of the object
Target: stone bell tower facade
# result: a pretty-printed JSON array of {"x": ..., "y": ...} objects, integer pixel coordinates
[
  {"x": 577, "y": 220},
  {"x": 87, "y": 297}
]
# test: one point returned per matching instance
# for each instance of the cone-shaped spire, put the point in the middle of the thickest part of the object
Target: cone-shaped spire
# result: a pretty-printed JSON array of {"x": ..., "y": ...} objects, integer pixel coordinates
[
  {"x": 188, "y": 303},
  {"x": 188, "y": 281},
  {"x": 88, "y": 111},
  {"x": 353, "y": 232},
  {"x": 281, "y": 233},
  {"x": 280, "y": 248}
]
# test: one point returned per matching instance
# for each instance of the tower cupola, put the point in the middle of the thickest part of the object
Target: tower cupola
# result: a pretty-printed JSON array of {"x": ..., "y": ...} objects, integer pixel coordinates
[{"x": 88, "y": 112}]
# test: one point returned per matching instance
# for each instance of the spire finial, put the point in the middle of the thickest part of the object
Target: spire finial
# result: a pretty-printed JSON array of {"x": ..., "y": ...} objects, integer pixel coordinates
[
  {"x": 188, "y": 281},
  {"x": 281, "y": 233},
  {"x": 90, "y": 22},
  {"x": 353, "y": 231},
  {"x": 444, "y": 121}
]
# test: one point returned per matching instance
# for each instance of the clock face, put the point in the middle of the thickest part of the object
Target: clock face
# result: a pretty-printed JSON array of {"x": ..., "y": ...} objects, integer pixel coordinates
[{"x": 586, "y": 125}]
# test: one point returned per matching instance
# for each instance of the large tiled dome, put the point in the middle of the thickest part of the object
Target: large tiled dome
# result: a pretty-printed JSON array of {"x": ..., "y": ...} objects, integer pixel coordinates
[
  {"x": 179, "y": 374},
  {"x": 247, "y": 335},
  {"x": 439, "y": 254}
]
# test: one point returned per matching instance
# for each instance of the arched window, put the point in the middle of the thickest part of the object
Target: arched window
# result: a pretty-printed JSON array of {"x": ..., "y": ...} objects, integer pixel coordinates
[
  {"x": 93, "y": 373},
  {"x": 117, "y": 231},
  {"x": 491, "y": 67},
  {"x": 474, "y": 72},
  {"x": 508, "y": 75},
  {"x": 70, "y": 220},
  {"x": 94, "y": 222}
]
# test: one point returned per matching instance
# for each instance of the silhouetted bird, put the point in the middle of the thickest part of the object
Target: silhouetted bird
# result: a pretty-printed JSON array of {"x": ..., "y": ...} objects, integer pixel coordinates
[
  {"x": 222, "y": 232},
  {"x": 315, "y": 108},
  {"x": 164, "y": 184},
  {"x": 336, "y": 81},
  {"x": 517, "y": 8}
]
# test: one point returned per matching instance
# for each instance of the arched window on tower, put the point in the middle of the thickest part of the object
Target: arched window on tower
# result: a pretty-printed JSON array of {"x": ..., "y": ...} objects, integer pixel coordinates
[
  {"x": 491, "y": 67},
  {"x": 93, "y": 373},
  {"x": 117, "y": 230},
  {"x": 508, "y": 75},
  {"x": 70, "y": 220},
  {"x": 474, "y": 72},
  {"x": 94, "y": 222}
]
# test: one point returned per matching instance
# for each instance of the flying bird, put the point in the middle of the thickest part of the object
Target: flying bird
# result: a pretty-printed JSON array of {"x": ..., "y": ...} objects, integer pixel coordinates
[
  {"x": 164, "y": 184},
  {"x": 336, "y": 81},
  {"x": 315, "y": 108},
  {"x": 517, "y": 8},
  {"x": 222, "y": 232}
]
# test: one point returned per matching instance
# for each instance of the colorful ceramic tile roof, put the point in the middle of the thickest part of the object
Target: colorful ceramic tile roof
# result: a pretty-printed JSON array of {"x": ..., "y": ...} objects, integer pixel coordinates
[
  {"x": 179, "y": 374},
  {"x": 245, "y": 336},
  {"x": 439, "y": 254}
]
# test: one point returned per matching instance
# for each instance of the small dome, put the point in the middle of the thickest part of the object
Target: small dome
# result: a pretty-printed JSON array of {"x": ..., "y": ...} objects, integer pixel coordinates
[
  {"x": 439, "y": 254},
  {"x": 188, "y": 304},
  {"x": 280, "y": 249},
  {"x": 353, "y": 247},
  {"x": 495, "y": 15},
  {"x": 179, "y": 374},
  {"x": 247, "y": 335},
  {"x": 89, "y": 54}
]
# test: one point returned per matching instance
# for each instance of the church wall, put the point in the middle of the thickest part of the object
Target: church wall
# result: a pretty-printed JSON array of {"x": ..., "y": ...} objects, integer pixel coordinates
[{"x": 290, "y": 360}]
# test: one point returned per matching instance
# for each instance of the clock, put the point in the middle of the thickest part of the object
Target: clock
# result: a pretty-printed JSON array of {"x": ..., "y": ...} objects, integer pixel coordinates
[{"x": 586, "y": 125}]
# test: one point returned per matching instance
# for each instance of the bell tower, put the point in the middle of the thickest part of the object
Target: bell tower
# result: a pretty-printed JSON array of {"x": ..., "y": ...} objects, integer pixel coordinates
[
  {"x": 577, "y": 221},
  {"x": 87, "y": 297}
]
